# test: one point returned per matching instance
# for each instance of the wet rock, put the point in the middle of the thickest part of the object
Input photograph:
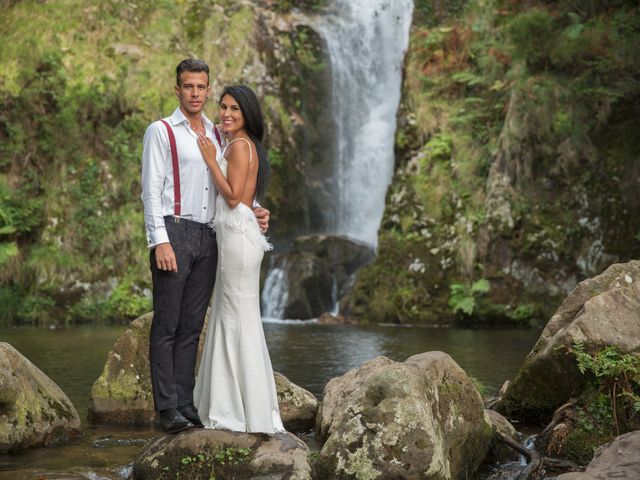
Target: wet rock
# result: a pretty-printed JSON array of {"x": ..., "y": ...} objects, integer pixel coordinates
[
  {"x": 601, "y": 311},
  {"x": 619, "y": 459},
  {"x": 315, "y": 275},
  {"x": 338, "y": 389},
  {"x": 423, "y": 418},
  {"x": 205, "y": 454},
  {"x": 123, "y": 394},
  {"x": 344, "y": 255},
  {"x": 34, "y": 411},
  {"x": 298, "y": 407},
  {"x": 498, "y": 451},
  {"x": 309, "y": 286}
]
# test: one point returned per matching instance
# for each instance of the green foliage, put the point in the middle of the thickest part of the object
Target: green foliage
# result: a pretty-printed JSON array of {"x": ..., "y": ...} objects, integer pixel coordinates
[
  {"x": 464, "y": 298},
  {"x": 532, "y": 34},
  {"x": 224, "y": 463},
  {"x": 287, "y": 5},
  {"x": 617, "y": 376},
  {"x": 431, "y": 12}
]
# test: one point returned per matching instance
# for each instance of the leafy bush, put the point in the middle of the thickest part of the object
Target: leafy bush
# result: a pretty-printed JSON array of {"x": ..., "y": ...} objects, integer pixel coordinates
[
  {"x": 464, "y": 298},
  {"x": 532, "y": 34},
  {"x": 617, "y": 376}
]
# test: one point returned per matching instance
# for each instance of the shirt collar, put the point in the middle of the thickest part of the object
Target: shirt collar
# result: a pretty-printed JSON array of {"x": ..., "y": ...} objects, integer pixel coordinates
[{"x": 177, "y": 117}]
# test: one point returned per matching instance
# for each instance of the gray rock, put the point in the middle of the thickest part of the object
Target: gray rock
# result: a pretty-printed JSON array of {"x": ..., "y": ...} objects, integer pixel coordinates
[
  {"x": 318, "y": 272},
  {"x": 344, "y": 255},
  {"x": 338, "y": 389},
  {"x": 619, "y": 459},
  {"x": 498, "y": 451},
  {"x": 423, "y": 418},
  {"x": 204, "y": 454},
  {"x": 601, "y": 311},
  {"x": 34, "y": 411}
]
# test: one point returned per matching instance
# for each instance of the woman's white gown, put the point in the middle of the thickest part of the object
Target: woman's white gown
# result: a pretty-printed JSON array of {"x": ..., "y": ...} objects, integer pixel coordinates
[{"x": 235, "y": 387}]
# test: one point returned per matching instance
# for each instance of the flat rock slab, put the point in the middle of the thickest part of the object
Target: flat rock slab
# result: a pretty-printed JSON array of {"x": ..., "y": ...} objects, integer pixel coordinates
[
  {"x": 618, "y": 460},
  {"x": 203, "y": 454},
  {"x": 34, "y": 411}
]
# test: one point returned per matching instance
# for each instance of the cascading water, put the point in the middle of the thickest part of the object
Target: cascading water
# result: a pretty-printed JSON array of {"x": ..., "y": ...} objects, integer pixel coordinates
[
  {"x": 366, "y": 42},
  {"x": 274, "y": 294}
]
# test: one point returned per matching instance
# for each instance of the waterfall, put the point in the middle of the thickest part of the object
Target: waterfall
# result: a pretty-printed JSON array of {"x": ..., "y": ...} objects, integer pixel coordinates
[
  {"x": 366, "y": 41},
  {"x": 275, "y": 293}
]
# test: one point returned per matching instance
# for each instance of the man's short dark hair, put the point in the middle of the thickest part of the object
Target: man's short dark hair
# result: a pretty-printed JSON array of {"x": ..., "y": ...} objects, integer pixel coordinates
[{"x": 191, "y": 65}]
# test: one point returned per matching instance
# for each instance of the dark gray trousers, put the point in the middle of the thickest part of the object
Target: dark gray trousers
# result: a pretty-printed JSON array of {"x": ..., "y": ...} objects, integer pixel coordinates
[{"x": 180, "y": 301}]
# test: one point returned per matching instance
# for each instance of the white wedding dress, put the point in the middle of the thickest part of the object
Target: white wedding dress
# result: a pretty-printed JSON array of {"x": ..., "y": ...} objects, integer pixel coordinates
[{"x": 235, "y": 388}]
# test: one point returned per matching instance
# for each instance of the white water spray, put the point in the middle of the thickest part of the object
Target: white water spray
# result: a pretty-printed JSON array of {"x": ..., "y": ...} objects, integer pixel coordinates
[{"x": 366, "y": 41}]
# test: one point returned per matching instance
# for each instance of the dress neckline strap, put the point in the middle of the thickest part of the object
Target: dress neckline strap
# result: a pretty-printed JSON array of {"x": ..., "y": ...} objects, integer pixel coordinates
[{"x": 246, "y": 140}]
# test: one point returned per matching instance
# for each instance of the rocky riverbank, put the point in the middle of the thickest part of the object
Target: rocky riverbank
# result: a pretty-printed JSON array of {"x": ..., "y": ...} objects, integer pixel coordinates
[{"x": 420, "y": 418}]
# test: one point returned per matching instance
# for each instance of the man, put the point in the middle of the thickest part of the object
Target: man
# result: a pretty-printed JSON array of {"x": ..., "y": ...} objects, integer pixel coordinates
[{"x": 179, "y": 197}]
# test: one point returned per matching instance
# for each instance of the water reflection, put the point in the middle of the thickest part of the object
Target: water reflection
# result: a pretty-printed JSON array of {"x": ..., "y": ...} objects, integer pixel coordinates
[{"x": 310, "y": 355}]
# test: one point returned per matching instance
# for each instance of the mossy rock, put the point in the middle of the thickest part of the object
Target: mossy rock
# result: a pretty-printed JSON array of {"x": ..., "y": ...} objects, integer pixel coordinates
[
  {"x": 619, "y": 458},
  {"x": 34, "y": 411},
  {"x": 298, "y": 407},
  {"x": 204, "y": 454},
  {"x": 600, "y": 312},
  {"x": 123, "y": 392},
  {"x": 422, "y": 418}
]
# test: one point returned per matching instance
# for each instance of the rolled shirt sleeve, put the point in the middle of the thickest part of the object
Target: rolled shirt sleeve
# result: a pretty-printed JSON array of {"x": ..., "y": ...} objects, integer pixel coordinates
[{"x": 154, "y": 175}]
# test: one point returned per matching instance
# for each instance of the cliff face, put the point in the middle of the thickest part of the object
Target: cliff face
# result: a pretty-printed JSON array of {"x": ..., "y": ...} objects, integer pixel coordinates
[
  {"x": 518, "y": 161},
  {"x": 517, "y": 154},
  {"x": 79, "y": 83}
]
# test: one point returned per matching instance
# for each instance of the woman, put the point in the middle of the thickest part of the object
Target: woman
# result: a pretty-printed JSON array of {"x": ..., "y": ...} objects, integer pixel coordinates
[{"x": 235, "y": 388}]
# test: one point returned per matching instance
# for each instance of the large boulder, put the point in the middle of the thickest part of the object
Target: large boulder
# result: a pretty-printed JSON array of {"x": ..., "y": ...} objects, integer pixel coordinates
[
  {"x": 123, "y": 394},
  {"x": 423, "y": 418},
  {"x": 205, "y": 454},
  {"x": 309, "y": 280},
  {"x": 34, "y": 411},
  {"x": 338, "y": 389},
  {"x": 619, "y": 459},
  {"x": 299, "y": 286},
  {"x": 600, "y": 312},
  {"x": 344, "y": 255}
]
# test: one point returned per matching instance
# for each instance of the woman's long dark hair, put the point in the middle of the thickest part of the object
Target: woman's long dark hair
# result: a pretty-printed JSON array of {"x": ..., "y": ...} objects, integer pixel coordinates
[{"x": 254, "y": 125}]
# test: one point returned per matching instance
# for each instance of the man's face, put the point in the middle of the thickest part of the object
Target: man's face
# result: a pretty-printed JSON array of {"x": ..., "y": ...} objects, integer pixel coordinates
[{"x": 193, "y": 91}]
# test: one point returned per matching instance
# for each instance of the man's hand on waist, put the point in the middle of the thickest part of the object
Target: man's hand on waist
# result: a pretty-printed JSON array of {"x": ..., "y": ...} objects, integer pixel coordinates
[
  {"x": 166, "y": 258},
  {"x": 262, "y": 216}
]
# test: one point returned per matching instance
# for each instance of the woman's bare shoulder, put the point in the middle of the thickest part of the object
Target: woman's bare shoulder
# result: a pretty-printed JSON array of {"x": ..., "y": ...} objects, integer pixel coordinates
[{"x": 240, "y": 150}]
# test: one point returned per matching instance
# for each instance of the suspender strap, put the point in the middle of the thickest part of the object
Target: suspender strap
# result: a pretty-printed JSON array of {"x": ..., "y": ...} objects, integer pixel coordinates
[
  {"x": 176, "y": 170},
  {"x": 217, "y": 134}
]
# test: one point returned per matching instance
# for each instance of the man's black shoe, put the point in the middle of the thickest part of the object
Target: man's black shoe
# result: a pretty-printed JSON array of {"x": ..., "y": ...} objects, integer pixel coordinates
[
  {"x": 172, "y": 421},
  {"x": 191, "y": 413}
]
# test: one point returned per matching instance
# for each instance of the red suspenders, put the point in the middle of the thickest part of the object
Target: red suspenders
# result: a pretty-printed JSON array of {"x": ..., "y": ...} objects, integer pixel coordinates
[{"x": 176, "y": 168}]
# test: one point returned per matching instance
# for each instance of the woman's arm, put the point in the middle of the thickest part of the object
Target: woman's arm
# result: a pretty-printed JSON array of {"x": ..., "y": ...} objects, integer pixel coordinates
[{"x": 231, "y": 188}]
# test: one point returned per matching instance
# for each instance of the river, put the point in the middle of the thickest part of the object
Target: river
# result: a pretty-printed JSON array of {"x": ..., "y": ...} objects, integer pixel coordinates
[{"x": 309, "y": 354}]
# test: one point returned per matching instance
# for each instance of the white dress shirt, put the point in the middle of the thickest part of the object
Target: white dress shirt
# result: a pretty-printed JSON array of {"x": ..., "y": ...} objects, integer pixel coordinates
[{"x": 197, "y": 189}]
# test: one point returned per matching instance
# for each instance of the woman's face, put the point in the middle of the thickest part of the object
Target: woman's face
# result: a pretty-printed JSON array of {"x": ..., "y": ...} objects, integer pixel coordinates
[{"x": 231, "y": 116}]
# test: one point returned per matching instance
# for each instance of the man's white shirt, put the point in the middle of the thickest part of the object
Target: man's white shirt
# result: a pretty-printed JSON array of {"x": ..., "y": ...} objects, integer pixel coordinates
[{"x": 197, "y": 189}]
